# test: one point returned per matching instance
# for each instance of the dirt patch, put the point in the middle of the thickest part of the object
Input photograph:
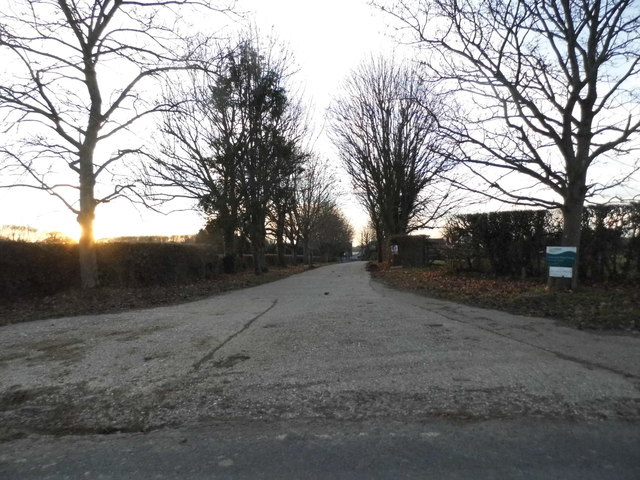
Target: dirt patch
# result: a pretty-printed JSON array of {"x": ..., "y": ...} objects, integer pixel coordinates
[
  {"x": 230, "y": 361},
  {"x": 131, "y": 335},
  {"x": 16, "y": 397},
  {"x": 6, "y": 357},
  {"x": 74, "y": 409},
  {"x": 60, "y": 349}
]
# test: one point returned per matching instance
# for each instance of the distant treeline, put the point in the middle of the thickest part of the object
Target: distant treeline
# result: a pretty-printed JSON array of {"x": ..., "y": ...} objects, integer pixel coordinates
[
  {"x": 513, "y": 243},
  {"x": 153, "y": 239},
  {"x": 26, "y": 233}
]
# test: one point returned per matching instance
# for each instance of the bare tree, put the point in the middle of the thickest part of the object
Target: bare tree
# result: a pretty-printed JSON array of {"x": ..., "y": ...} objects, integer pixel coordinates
[
  {"x": 20, "y": 233},
  {"x": 367, "y": 235},
  {"x": 199, "y": 146},
  {"x": 272, "y": 141},
  {"x": 57, "y": 238},
  {"x": 289, "y": 170},
  {"x": 333, "y": 235},
  {"x": 315, "y": 194},
  {"x": 283, "y": 205},
  {"x": 235, "y": 142},
  {"x": 547, "y": 90},
  {"x": 386, "y": 132},
  {"x": 77, "y": 77}
]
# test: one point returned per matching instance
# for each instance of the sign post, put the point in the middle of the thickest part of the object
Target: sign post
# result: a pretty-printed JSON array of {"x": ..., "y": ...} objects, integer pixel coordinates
[{"x": 561, "y": 261}]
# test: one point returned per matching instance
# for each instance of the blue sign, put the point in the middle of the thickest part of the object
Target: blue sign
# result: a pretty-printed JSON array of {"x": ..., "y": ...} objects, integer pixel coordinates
[
  {"x": 561, "y": 261},
  {"x": 561, "y": 256}
]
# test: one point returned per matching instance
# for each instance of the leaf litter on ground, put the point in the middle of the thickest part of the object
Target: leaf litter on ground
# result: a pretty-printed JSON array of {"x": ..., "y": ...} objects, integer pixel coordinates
[{"x": 610, "y": 306}]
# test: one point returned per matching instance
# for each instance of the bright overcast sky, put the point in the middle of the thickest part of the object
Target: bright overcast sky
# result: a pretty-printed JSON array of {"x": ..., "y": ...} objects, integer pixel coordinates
[{"x": 327, "y": 38}]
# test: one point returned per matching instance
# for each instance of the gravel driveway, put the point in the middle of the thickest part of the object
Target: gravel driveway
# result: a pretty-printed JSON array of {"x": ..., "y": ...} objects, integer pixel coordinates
[{"x": 325, "y": 344}]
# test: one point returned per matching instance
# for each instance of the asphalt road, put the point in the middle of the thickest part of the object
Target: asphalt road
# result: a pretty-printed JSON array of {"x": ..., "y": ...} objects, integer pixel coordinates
[{"x": 322, "y": 375}]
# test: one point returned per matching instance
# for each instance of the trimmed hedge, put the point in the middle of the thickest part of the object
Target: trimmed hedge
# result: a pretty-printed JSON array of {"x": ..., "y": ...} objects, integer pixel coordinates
[
  {"x": 514, "y": 243},
  {"x": 32, "y": 270},
  {"x": 148, "y": 264},
  {"x": 28, "y": 269},
  {"x": 610, "y": 246},
  {"x": 37, "y": 269},
  {"x": 502, "y": 243}
]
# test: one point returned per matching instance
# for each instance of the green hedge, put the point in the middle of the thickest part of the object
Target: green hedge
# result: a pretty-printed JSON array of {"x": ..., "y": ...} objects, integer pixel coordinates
[
  {"x": 148, "y": 264},
  {"x": 610, "y": 246},
  {"x": 36, "y": 269},
  {"x": 31, "y": 270},
  {"x": 514, "y": 243},
  {"x": 502, "y": 243},
  {"x": 28, "y": 269}
]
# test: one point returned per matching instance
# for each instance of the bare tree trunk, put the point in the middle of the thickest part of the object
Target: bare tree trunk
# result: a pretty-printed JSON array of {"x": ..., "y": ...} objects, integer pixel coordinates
[
  {"x": 381, "y": 246},
  {"x": 257, "y": 261},
  {"x": 258, "y": 236},
  {"x": 230, "y": 215},
  {"x": 230, "y": 251},
  {"x": 229, "y": 237},
  {"x": 571, "y": 234},
  {"x": 280, "y": 242},
  {"x": 259, "y": 258},
  {"x": 308, "y": 255},
  {"x": 88, "y": 261},
  {"x": 87, "y": 249}
]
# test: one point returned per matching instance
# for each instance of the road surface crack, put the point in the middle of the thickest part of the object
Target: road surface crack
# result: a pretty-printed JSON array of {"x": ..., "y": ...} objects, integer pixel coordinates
[
  {"x": 210, "y": 355},
  {"x": 454, "y": 316},
  {"x": 560, "y": 355}
]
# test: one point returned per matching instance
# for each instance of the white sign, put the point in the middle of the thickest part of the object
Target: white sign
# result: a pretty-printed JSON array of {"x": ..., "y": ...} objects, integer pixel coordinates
[{"x": 561, "y": 272}]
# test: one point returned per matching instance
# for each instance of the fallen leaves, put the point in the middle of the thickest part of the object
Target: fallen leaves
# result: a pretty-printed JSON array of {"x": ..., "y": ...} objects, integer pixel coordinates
[{"x": 604, "y": 306}]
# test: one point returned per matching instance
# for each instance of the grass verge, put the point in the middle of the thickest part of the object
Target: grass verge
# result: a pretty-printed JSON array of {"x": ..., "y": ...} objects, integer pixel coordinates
[
  {"x": 606, "y": 306},
  {"x": 117, "y": 299}
]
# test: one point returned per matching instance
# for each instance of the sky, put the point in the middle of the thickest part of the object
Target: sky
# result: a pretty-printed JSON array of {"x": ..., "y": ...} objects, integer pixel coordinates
[{"x": 327, "y": 38}]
